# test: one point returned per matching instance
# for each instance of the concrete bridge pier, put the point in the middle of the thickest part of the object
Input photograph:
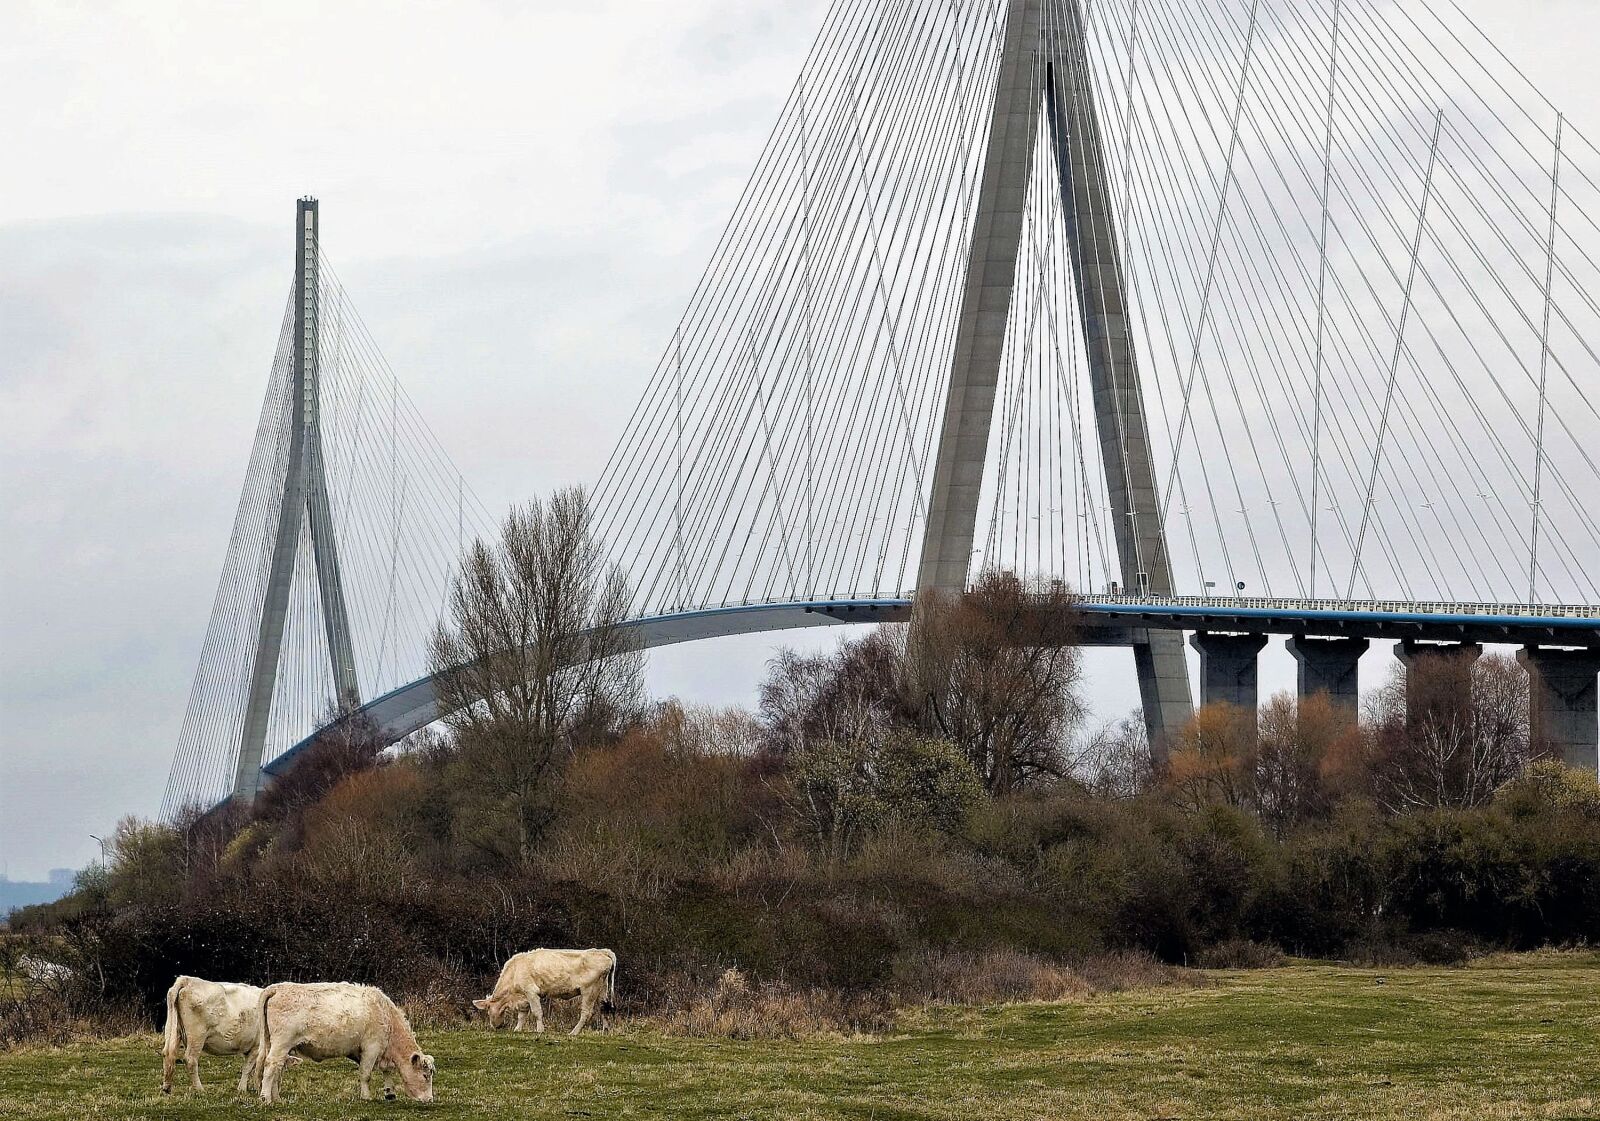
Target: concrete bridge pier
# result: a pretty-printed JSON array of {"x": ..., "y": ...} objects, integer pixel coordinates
[
  {"x": 1228, "y": 667},
  {"x": 1438, "y": 678},
  {"x": 1331, "y": 666},
  {"x": 1562, "y": 709}
]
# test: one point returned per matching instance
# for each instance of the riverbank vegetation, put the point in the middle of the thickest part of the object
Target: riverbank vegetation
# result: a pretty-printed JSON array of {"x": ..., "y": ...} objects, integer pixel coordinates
[{"x": 924, "y": 814}]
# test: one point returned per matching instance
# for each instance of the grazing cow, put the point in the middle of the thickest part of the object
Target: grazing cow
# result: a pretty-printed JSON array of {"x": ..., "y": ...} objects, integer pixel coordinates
[
  {"x": 589, "y": 974},
  {"x": 340, "y": 1021},
  {"x": 209, "y": 1016}
]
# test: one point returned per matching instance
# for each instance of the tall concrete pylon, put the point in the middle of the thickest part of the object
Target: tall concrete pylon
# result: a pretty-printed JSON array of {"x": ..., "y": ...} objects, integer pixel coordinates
[
  {"x": 1044, "y": 69},
  {"x": 305, "y": 499}
]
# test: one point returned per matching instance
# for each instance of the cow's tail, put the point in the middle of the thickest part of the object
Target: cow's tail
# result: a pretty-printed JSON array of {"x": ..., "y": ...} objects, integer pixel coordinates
[
  {"x": 258, "y": 1061},
  {"x": 611, "y": 982},
  {"x": 172, "y": 1035}
]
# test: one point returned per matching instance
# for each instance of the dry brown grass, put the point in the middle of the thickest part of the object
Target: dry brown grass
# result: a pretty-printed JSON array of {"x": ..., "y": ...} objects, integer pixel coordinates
[
  {"x": 1127, "y": 970},
  {"x": 998, "y": 976},
  {"x": 45, "y": 1017},
  {"x": 734, "y": 1008},
  {"x": 1240, "y": 953}
]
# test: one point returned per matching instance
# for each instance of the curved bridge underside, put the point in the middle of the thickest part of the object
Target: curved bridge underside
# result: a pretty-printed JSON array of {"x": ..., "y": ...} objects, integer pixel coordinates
[
  {"x": 409, "y": 708},
  {"x": 1106, "y": 621}
]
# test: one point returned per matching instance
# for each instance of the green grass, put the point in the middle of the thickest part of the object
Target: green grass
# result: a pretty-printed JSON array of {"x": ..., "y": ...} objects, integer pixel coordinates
[{"x": 1510, "y": 1037}]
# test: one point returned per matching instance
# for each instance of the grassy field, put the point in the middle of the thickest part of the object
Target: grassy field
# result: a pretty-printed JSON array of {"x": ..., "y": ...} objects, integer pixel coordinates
[{"x": 1507, "y": 1038}]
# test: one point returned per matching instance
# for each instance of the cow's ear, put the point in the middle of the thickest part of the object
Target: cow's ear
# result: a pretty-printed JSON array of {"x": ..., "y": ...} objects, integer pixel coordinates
[
  {"x": 480, "y": 1004},
  {"x": 416, "y": 1059}
]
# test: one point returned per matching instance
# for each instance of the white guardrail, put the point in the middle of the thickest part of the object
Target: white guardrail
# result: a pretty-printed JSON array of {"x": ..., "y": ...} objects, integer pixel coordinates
[
  {"x": 1350, "y": 606},
  {"x": 1220, "y": 604}
]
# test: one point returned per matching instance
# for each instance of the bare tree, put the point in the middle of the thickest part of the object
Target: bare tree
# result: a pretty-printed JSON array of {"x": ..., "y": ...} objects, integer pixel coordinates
[
  {"x": 849, "y": 695},
  {"x": 996, "y": 672},
  {"x": 1114, "y": 761},
  {"x": 532, "y": 652},
  {"x": 1463, "y": 734},
  {"x": 703, "y": 730},
  {"x": 1500, "y": 697}
]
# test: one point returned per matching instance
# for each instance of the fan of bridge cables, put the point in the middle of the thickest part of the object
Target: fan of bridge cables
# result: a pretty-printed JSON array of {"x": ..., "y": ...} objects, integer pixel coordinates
[
  {"x": 1361, "y": 264},
  {"x": 401, "y": 514}
]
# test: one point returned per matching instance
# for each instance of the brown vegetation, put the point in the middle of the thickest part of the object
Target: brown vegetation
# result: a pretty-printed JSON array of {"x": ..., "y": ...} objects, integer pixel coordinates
[{"x": 916, "y": 817}]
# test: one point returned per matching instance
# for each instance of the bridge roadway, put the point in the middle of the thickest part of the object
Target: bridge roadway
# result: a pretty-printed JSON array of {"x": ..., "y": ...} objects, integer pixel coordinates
[
  {"x": 1228, "y": 667},
  {"x": 1326, "y": 637}
]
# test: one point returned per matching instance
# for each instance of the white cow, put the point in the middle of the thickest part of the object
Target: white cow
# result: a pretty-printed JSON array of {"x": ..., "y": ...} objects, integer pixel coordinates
[
  {"x": 589, "y": 974},
  {"x": 340, "y": 1021},
  {"x": 209, "y": 1016}
]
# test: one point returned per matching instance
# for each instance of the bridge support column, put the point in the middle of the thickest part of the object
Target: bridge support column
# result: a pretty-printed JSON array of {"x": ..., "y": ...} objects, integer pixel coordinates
[
  {"x": 1228, "y": 667},
  {"x": 1044, "y": 68},
  {"x": 1330, "y": 666},
  {"x": 1438, "y": 678},
  {"x": 304, "y": 499},
  {"x": 1562, "y": 703},
  {"x": 1114, "y": 382},
  {"x": 985, "y": 308}
]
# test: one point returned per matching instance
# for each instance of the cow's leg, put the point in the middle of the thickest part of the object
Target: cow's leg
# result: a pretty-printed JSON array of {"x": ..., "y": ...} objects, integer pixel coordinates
[
  {"x": 272, "y": 1071},
  {"x": 244, "y": 1073},
  {"x": 369, "y": 1059},
  {"x": 522, "y": 1020},
  {"x": 538, "y": 1012},
  {"x": 191, "y": 1056},
  {"x": 269, "y": 1078},
  {"x": 585, "y": 1007}
]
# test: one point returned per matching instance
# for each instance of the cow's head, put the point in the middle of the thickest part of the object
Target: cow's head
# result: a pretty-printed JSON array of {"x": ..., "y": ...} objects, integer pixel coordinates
[
  {"x": 416, "y": 1077},
  {"x": 495, "y": 1007}
]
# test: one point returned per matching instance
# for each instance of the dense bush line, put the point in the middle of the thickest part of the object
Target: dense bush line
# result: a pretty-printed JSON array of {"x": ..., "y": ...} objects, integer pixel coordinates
[
  {"x": 916, "y": 816},
  {"x": 689, "y": 860}
]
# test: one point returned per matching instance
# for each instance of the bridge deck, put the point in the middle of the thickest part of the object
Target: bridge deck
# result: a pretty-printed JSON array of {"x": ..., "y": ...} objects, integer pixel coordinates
[
  {"x": 1546, "y": 624},
  {"x": 1108, "y": 620}
]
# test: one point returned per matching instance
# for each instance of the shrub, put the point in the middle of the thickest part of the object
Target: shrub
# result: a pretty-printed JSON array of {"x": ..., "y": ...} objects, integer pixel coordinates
[
  {"x": 844, "y": 791},
  {"x": 1444, "y": 947},
  {"x": 986, "y": 977},
  {"x": 33, "y": 1020},
  {"x": 1239, "y": 953},
  {"x": 1121, "y": 970},
  {"x": 1550, "y": 786},
  {"x": 736, "y": 1008}
]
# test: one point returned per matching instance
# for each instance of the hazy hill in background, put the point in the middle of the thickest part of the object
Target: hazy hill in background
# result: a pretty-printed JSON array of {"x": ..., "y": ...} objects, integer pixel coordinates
[{"x": 24, "y": 893}]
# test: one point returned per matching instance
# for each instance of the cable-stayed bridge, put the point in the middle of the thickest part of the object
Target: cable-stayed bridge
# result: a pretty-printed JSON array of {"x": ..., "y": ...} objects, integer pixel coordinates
[{"x": 1266, "y": 317}]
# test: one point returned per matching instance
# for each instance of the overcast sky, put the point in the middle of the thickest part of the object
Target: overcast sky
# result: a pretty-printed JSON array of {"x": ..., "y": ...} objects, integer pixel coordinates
[{"x": 519, "y": 198}]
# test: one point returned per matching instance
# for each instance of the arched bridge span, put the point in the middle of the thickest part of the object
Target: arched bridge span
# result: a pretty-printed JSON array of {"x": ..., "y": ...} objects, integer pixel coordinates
[{"x": 1106, "y": 620}]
